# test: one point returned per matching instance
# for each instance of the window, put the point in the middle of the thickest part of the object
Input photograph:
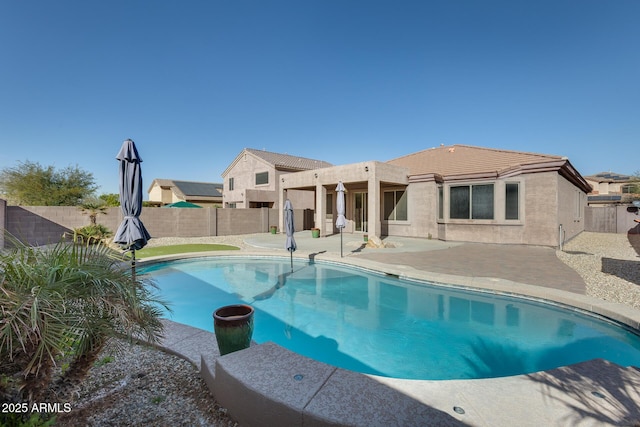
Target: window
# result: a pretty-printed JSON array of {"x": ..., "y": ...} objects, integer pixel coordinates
[
  {"x": 395, "y": 205},
  {"x": 459, "y": 202},
  {"x": 262, "y": 178},
  {"x": 512, "y": 201},
  {"x": 231, "y": 184},
  {"x": 260, "y": 204},
  {"x": 329, "y": 206},
  {"x": 471, "y": 201}
]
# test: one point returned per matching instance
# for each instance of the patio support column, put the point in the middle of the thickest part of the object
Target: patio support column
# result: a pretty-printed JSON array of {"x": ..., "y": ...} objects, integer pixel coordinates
[
  {"x": 373, "y": 209},
  {"x": 321, "y": 208}
]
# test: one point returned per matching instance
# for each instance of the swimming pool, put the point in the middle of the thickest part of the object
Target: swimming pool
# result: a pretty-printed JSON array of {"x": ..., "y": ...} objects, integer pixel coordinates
[{"x": 382, "y": 325}]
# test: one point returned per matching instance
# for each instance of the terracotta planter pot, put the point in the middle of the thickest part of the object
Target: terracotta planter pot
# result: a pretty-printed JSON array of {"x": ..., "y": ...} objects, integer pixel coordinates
[{"x": 233, "y": 326}]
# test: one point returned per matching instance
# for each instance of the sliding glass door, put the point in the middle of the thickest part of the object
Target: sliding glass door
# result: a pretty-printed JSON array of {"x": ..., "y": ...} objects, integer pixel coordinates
[{"x": 361, "y": 211}]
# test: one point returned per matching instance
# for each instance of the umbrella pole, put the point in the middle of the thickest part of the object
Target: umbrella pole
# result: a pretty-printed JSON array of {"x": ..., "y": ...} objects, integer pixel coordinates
[
  {"x": 133, "y": 265},
  {"x": 291, "y": 253},
  {"x": 340, "y": 242}
]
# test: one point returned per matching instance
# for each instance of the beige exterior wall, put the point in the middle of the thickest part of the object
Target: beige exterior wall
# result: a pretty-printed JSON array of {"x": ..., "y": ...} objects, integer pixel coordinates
[
  {"x": 372, "y": 178},
  {"x": 571, "y": 209},
  {"x": 546, "y": 200},
  {"x": 541, "y": 209},
  {"x": 422, "y": 207},
  {"x": 606, "y": 187},
  {"x": 496, "y": 230},
  {"x": 162, "y": 195},
  {"x": 244, "y": 171},
  {"x": 166, "y": 196}
]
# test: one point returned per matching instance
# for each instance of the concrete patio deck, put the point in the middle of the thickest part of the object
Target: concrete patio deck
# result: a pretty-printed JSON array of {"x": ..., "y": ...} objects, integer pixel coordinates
[{"x": 269, "y": 385}]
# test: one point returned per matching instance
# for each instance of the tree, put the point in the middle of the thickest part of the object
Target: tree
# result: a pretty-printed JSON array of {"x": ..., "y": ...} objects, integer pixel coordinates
[
  {"x": 111, "y": 199},
  {"x": 32, "y": 184}
]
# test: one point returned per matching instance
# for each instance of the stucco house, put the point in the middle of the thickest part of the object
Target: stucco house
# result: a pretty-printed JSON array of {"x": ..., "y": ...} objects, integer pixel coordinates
[
  {"x": 455, "y": 193},
  {"x": 253, "y": 179},
  {"x": 165, "y": 191},
  {"x": 611, "y": 188}
]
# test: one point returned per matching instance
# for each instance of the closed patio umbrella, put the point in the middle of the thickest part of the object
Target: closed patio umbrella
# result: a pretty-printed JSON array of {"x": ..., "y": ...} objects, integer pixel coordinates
[
  {"x": 131, "y": 234},
  {"x": 341, "y": 221},
  {"x": 290, "y": 244}
]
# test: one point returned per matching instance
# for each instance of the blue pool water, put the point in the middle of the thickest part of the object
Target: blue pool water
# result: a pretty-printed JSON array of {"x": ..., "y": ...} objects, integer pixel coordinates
[{"x": 382, "y": 325}]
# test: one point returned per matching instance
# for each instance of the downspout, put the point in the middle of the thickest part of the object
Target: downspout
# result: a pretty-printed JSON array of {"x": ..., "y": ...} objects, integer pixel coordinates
[{"x": 560, "y": 236}]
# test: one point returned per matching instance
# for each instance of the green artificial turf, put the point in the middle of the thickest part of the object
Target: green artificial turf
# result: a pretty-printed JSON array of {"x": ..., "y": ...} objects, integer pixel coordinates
[{"x": 179, "y": 249}]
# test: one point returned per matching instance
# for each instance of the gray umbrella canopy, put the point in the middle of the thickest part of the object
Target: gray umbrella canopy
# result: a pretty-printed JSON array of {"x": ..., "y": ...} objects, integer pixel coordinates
[
  {"x": 289, "y": 228},
  {"x": 341, "y": 221},
  {"x": 131, "y": 233}
]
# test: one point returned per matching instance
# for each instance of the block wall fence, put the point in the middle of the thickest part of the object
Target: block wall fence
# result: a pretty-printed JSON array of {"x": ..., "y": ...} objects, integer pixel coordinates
[{"x": 39, "y": 225}]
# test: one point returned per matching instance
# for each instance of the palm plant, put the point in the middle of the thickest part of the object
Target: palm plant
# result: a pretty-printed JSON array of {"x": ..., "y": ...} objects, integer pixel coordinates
[
  {"x": 94, "y": 232},
  {"x": 68, "y": 300},
  {"x": 93, "y": 206}
]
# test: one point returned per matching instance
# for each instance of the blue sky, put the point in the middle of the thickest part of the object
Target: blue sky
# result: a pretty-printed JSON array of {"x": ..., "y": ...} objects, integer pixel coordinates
[{"x": 195, "y": 82}]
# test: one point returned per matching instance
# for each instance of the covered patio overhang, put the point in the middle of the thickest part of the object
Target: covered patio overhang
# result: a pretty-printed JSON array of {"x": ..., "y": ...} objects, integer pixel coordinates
[{"x": 369, "y": 178}]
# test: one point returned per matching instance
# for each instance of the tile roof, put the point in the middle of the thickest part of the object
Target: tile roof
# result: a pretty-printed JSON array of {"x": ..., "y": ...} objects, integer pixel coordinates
[
  {"x": 466, "y": 160},
  {"x": 286, "y": 161}
]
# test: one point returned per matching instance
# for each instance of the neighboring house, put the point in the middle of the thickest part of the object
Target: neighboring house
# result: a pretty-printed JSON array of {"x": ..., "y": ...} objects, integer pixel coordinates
[
  {"x": 253, "y": 179},
  {"x": 454, "y": 193},
  {"x": 611, "y": 188},
  {"x": 165, "y": 191}
]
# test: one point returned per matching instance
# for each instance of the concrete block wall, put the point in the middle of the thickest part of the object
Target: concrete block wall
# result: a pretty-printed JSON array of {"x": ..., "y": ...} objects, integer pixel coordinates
[
  {"x": 243, "y": 221},
  {"x": 191, "y": 222},
  {"x": 41, "y": 225},
  {"x": 38, "y": 225}
]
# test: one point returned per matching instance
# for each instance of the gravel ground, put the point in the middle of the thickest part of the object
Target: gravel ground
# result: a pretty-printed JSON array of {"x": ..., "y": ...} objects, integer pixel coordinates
[
  {"x": 144, "y": 386},
  {"x": 137, "y": 385},
  {"x": 608, "y": 263}
]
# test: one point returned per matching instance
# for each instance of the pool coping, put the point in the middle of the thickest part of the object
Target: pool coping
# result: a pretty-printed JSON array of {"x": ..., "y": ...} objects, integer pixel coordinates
[{"x": 258, "y": 385}]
